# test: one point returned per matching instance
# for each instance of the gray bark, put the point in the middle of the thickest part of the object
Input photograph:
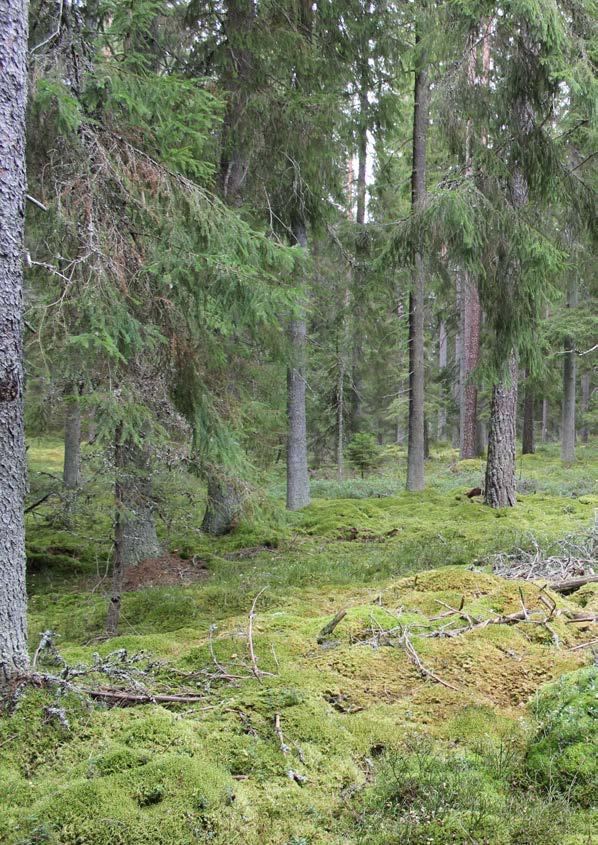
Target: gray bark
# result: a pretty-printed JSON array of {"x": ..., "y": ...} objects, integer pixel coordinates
[
  {"x": 72, "y": 440},
  {"x": 585, "y": 405},
  {"x": 442, "y": 364},
  {"x": 416, "y": 445},
  {"x": 134, "y": 526},
  {"x": 297, "y": 470},
  {"x": 13, "y": 598},
  {"x": 356, "y": 419},
  {"x": 569, "y": 376},
  {"x": 223, "y": 507},
  {"x": 139, "y": 539},
  {"x": 500, "y": 467},
  {"x": 225, "y": 496},
  {"x": 118, "y": 564},
  {"x": 471, "y": 318},
  {"x": 545, "y": 407},
  {"x": 235, "y": 155},
  {"x": 481, "y": 439},
  {"x": 528, "y": 441}
]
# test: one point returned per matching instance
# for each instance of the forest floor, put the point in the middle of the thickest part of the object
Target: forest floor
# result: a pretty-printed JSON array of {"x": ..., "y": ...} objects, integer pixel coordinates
[{"x": 424, "y": 716}]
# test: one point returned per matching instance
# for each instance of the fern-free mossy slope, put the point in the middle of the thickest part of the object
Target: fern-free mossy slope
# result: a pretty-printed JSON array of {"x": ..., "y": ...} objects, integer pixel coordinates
[{"x": 216, "y": 773}]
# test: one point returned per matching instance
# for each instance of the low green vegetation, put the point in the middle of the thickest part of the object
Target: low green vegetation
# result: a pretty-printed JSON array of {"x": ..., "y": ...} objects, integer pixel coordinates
[{"x": 321, "y": 743}]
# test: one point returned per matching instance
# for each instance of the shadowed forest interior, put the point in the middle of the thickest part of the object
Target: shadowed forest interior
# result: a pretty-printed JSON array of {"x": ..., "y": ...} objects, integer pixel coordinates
[{"x": 298, "y": 453}]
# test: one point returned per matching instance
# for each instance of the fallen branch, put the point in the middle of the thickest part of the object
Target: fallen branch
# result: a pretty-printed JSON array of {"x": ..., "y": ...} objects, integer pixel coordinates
[
  {"x": 406, "y": 643},
  {"x": 573, "y": 584},
  {"x": 584, "y": 645},
  {"x": 121, "y": 698},
  {"x": 330, "y": 626},
  {"x": 278, "y": 731}
]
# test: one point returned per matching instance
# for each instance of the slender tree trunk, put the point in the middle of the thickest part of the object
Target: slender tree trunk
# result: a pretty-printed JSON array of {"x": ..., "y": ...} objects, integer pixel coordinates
[
  {"x": 14, "y": 658},
  {"x": 223, "y": 507},
  {"x": 528, "y": 441},
  {"x": 481, "y": 439},
  {"x": 361, "y": 251},
  {"x": 235, "y": 149},
  {"x": 585, "y": 406},
  {"x": 545, "y": 408},
  {"x": 226, "y": 495},
  {"x": 118, "y": 563},
  {"x": 458, "y": 366},
  {"x": 72, "y": 439},
  {"x": 297, "y": 470},
  {"x": 500, "y": 467},
  {"x": 442, "y": 364},
  {"x": 470, "y": 354},
  {"x": 471, "y": 311},
  {"x": 569, "y": 376},
  {"x": 416, "y": 446}
]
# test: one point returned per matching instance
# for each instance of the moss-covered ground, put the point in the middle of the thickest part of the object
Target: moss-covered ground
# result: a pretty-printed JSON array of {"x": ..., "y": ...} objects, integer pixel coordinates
[{"x": 344, "y": 741}]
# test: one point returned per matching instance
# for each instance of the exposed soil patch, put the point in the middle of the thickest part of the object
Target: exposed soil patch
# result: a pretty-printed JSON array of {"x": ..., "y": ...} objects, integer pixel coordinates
[{"x": 168, "y": 570}]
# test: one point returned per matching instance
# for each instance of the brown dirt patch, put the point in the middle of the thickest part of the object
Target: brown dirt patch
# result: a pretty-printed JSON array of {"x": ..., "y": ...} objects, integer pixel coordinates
[{"x": 165, "y": 571}]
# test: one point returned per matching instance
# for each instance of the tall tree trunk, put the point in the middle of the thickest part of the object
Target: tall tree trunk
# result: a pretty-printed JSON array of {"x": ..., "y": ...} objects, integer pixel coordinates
[
  {"x": 361, "y": 250},
  {"x": 226, "y": 495},
  {"x": 13, "y": 478},
  {"x": 237, "y": 80},
  {"x": 500, "y": 467},
  {"x": 481, "y": 439},
  {"x": 471, "y": 311},
  {"x": 223, "y": 507},
  {"x": 458, "y": 366},
  {"x": 569, "y": 375},
  {"x": 545, "y": 408},
  {"x": 528, "y": 441},
  {"x": 139, "y": 539},
  {"x": 416, "y": 446},
  {"x": 72, "y": 438},
  {"x": 585, "y": 406},
  {"x": 442, "y": 364},
  {"x": 297, "y": 471},
  {"x": 118, "y": 563},
  {"x": 343, "y": 350},
  {"x": 470, "y": 354}
]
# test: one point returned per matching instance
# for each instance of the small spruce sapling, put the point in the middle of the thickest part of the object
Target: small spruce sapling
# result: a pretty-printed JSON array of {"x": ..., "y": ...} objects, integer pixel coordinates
[{"x": 363, "y": 452}]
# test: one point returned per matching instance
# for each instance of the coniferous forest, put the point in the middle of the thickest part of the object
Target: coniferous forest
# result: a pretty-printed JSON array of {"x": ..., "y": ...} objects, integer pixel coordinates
[{"x": 298, "y": 428}]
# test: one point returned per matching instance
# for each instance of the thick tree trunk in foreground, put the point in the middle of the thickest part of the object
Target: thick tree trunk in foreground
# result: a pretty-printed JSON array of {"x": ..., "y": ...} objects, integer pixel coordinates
[
  {"x": 72, "y": 440},
  {"x": 416, "y": 445},
  {"x": 223, "y": 507},
  {"x": 297, "y": 472},
  {"x": 470, "y": 355},
  {"x": 528, "y": 441},
  {"x": 13, "y": 598},
  {"x": 569, "y": 375},
  {"x": 500, "y": 467}
]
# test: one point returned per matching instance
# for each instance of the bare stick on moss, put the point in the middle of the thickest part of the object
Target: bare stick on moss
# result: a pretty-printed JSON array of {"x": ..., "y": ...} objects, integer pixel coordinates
[
  {"x": 417, "y": 661},
  {"x": 259, "y": 673},
  {"x": 330, "y": 626},
  {"x": 278, "y": 731}
]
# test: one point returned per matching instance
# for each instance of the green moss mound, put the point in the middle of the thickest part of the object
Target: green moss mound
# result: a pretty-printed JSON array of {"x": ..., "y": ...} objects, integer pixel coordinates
[{"x": 564, "y": 752}]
